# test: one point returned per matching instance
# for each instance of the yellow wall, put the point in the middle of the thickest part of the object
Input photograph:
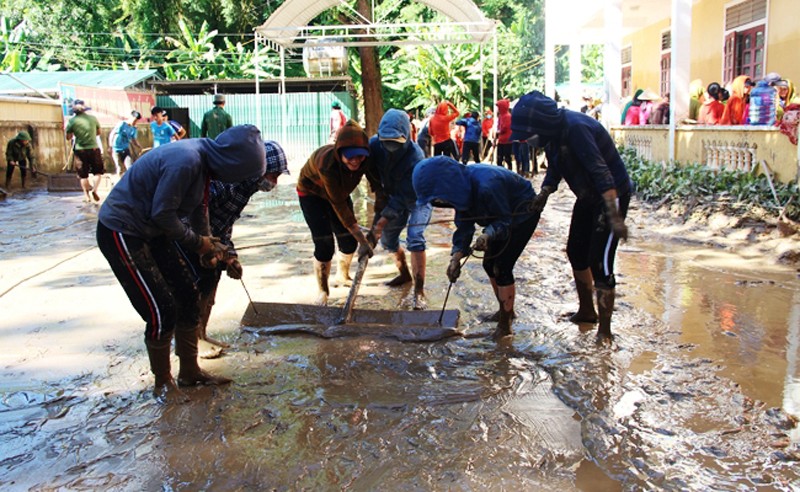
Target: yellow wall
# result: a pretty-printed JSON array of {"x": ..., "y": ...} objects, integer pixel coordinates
[
  {"x": 708, "y": 24},
  {"x": 783, "y": 38},
  {"x": 646, "y": 56}
]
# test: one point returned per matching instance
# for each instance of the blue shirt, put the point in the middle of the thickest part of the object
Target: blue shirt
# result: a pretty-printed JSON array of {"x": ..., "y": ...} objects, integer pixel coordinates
[
  {"x": 162, "y": 134},
  {"x": 125, "y": 133}
]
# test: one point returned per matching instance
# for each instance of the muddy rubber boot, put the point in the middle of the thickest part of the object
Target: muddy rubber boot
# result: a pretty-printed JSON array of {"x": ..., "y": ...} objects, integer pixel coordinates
[
  {"x": 505, "y": 295},
  {"x": 584, "y": 285},
  {"x": 418, "y": 261},
  {"x": 23, "y": 181},
  {"x": 207, "y": 347},
  {"x": 190, "y": 373},
  {"x": 343, "y": 273},
  {"x": 158, "y": 351},
  {"x": 402, "y": 267},
  {"x": 322, "y": 270},
  {"x": 605, "y": 305}
]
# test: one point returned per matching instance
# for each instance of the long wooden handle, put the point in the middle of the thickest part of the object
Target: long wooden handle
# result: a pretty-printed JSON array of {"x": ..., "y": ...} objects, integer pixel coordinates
[{"x": 347, "y": 310}]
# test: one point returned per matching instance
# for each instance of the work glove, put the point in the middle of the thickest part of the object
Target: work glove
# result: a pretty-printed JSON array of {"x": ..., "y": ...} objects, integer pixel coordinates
[
  {"x": 482, "y": 243},
  {"x": 615, "y": 220},
  {"x": 234, "y": 269},
  {"x": 371, "y": 239},
  {"x": 538, "y": 203},
  {"x": 454, "y": 269}
]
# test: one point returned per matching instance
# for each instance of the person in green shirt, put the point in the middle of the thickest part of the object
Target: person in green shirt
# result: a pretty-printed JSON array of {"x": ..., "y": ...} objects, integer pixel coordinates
[
  {"x": 88, "y": 148},
  {"x": 216, "y": 120},
  {"x": 18, "y": 154}
]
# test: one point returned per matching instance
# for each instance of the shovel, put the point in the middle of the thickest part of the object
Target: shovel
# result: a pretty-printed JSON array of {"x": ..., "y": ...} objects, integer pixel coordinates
[{"x": 347, "y": 310}]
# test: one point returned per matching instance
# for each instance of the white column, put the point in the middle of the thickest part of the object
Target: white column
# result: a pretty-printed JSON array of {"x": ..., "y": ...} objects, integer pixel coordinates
[
  {"x": 549, "y": 49},
  {"x": 612, "y": 62},
  {"x": 258, "y": 82},
  {"x": 575, "y": 76},
  {"x": 679, "y": 72}
]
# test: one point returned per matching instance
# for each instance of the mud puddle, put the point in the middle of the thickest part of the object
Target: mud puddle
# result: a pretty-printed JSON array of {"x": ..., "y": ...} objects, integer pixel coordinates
[{"x": 690, "y": 396}]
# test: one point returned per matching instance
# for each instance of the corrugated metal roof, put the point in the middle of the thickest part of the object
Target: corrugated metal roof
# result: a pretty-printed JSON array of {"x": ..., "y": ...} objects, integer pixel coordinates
[{"x": 27, "y": 82}]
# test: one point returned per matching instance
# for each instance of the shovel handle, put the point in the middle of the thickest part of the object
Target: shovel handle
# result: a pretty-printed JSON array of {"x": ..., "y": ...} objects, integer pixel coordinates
[{"x": 347, "y": 310}]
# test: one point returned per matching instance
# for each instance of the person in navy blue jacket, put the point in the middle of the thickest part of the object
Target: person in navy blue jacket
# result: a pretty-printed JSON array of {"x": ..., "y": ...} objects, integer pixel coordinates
[
  {"x": 472, "y": 138},
  {"x": 580, "y": 151},
  {"x": 395, "y": 155},
  {"x": 493, "y": 197}
]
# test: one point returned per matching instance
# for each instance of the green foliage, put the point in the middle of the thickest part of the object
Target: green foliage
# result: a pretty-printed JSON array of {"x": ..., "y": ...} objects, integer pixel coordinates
[{"x": 675, "y": 182}]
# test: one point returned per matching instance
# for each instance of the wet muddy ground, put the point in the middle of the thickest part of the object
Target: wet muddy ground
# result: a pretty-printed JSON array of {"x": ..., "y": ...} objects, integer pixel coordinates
[{"x": 696, "y": 392}]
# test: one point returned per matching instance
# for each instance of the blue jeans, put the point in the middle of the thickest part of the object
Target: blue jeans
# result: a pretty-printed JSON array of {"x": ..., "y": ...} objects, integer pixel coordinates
[{"x": 417, "y": 220}]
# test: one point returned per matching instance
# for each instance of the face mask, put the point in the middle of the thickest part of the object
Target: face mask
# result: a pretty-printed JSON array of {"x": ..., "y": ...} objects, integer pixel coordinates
[
  {"x": 439, "y": 203},
  {"x": 391, "y": 146},
  {"x": 265, "y": 185}
]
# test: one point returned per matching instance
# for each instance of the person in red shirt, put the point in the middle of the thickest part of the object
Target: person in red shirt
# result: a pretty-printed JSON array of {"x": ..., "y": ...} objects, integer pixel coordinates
[
  {"x": 486, "y": 134},
  {"x": 504, "y": 145},
  {"x": 439, "y": 129},
  {"x": 712, "y": 109}
]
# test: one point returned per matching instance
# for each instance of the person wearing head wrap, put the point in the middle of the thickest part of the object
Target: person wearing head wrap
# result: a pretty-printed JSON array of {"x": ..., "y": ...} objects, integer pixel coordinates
[
  {"x": 490, "y": 196},
  {"x": 582, "y": 153},
  {"x": 696, "y": 91},
  {"x": 395, "y": 156},
  {"x": 151, "y": 218},
  {"x": 736, "y": 109},
  {"x": 18, "y": 154},
  {"x": 324, "y": 186},
  {"x": 225, "y": 204}
]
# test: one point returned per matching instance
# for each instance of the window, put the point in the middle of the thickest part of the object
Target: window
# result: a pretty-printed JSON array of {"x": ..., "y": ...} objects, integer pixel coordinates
[
  {"x": 743, "y": 51},
  {"x": 666, "y": 61},
  {"x": 626, "y": 72}
]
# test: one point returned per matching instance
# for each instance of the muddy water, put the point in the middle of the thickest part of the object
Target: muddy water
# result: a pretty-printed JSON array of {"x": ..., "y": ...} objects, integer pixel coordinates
[{"x": 689, "y": 396}]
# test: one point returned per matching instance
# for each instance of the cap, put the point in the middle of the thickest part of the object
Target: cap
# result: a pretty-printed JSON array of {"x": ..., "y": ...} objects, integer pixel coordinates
[
  {"x": 532, "y": 112},
  {"x": 648, "y": 95},
  {"x": 781, "y": 83},
  {"x": 78, "y": 105},
  {"x": 772, "y": 77},
  {"x": 219, "y": 99},
  {"x": 276, "y": 158},
  {"x": 351, "y": 152},
  {"x": 158, "y": 110},
  {"x": 336, "y": 105},
  {"x": 137, "y": 115},
  {"x": 23, "y": 135}
]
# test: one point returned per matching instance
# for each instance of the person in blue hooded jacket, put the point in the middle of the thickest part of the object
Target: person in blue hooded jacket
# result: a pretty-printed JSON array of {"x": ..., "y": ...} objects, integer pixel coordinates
[
  {"x": 141, "y": 233},
  {"x": 580, "y": 151},
  {"x": 472, "y": 137},
  {"x": 489, "y": 196},
  {"x": 395, "y": 155}
]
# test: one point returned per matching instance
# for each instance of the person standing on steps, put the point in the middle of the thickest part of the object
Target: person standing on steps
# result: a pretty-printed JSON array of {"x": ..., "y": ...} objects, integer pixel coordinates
[
  {"x": 395, "y": 155},
  {"x": 326, "y": 180},
  {"x": 580, "y": 151},
  {"x": 142, "y": 233}
]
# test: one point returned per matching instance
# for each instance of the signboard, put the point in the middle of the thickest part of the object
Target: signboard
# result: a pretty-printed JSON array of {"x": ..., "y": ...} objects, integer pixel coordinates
[{"x": 109, "y": 106}]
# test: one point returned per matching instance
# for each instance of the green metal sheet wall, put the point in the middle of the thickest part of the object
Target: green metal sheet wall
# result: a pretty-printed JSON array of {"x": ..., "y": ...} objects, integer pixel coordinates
[{"x": 306, "y": 125}]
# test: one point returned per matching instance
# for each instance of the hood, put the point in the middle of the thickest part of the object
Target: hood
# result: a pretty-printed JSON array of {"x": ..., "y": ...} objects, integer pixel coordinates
[
  {"x": 395, "y": 124},
  {"x": 737, "y": 86},
  {"x": 236, "y": 154},
  {"x": 350, "y": 135},
  {"x": 535, "y": 114},
  {"x": 502, "y": 106},
  {"x": 442, "y": 178},
  {"x": 443, "y": 108}
]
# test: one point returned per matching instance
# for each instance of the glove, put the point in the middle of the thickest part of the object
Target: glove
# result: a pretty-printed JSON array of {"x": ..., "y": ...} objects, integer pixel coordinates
[
  {"x": 211, "y": 251},
  {"x": 365, "y": 249},
  {"x": 454, "y": 269},
  {"x": 371, "y": 239},
  {"x": 538, "y": 203},
  {"x": 234, "y": 269},
  {"x": 482, "y": 243},
  {"x": 615, "y": 221}
]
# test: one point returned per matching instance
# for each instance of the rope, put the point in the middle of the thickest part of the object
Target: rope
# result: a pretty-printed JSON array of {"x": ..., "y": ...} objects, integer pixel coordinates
[{"x": 45, "y": 270}]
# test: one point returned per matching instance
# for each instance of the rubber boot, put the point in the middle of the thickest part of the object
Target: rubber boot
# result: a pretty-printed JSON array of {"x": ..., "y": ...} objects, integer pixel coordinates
[
  {"x": 583, "y": 284},
  {"x": 505, "y": 295},
  {"x": 190, "y": 373},
  {"x": 495, "y": 318},
  {"x": 322, "y": 270},
  {"x": 418, "y": 261},
  {"x": 405, "y": 275},
  {"x": 207, "y": 347},
  {"x": 23, "y": 180},
  {"x": 605, "y": 306},
  {"x": 343, "y": 274},
  {"x": 158, "y": 351}
]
